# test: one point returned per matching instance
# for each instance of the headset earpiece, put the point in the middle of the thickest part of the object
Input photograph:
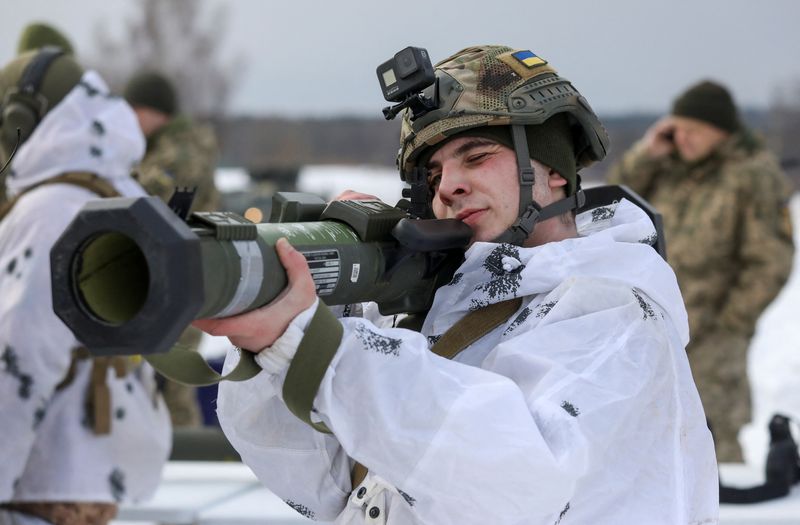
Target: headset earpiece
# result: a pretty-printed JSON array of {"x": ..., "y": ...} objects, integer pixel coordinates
[
  {"x": 24, "y": 106},
  {"x": 18, "y": 113}
]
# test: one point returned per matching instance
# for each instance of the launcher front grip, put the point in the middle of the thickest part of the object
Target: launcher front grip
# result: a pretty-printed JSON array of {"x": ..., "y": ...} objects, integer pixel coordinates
[{"x": 128, "y": 275}]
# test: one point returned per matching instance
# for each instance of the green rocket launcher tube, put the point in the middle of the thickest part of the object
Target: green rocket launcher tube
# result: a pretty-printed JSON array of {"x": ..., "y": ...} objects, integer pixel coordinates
[{"x": 129, "y": 275}]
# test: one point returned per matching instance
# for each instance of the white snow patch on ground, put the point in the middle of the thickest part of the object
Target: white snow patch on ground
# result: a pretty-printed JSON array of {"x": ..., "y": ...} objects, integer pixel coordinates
[
  {"x": 328, "y": 181},
  {"x": 774, "y": 360}
]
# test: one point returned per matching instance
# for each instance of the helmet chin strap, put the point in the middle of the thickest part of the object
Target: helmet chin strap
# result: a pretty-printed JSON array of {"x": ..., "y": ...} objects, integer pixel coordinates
[{"x": 530, "y": 212}]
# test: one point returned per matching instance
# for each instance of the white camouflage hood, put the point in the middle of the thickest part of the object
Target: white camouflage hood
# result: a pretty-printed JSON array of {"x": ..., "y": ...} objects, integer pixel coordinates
[
  {"x": 90, "y": 130},
  {"x": 506, "y": 271}
]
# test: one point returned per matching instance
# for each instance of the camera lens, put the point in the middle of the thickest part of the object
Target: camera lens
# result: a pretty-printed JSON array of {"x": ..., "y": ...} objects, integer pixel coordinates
[{"x": 406, "y": 62}]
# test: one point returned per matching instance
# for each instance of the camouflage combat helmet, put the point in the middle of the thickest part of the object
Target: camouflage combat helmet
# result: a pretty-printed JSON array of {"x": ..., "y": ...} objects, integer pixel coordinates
[{"x": 500, "y": 86}]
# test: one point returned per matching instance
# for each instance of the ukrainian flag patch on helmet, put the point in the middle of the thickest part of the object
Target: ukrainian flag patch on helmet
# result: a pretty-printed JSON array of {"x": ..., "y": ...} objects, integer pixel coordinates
[{"x": 529, "y": 59}]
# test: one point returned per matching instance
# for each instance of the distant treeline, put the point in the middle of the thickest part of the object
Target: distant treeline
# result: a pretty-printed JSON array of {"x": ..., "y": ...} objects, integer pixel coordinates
[{"x": 277, "y": 147}]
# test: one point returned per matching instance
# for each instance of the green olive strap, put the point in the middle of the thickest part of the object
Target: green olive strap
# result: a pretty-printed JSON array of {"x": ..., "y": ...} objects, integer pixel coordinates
[
  {"x": 473, "y": 326},
  {"x": 184, "y": 365},
  {"x": 308, "y": 367},
  {"x": 466, "y": 331},
  {"x": 85, "y": 180}
]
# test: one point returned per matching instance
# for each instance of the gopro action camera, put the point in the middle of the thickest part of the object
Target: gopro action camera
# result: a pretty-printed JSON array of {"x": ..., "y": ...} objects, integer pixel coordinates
[{"x": 408, "y": 73}]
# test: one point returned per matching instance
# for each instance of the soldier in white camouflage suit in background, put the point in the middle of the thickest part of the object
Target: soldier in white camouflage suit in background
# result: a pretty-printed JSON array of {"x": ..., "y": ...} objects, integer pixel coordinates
[{"x": 80, "y": 433}]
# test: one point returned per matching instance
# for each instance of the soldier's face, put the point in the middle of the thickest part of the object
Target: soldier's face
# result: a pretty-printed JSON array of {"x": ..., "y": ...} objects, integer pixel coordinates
[
  {"x": 695, "y": 139},
  {"x": 476, "y": 181},
  {"x": 150, "y": 120}
]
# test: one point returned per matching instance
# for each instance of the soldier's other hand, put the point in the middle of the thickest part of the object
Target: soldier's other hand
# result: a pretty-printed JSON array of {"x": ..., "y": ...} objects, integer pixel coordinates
[
  {"x": 350, "y": 195},
  {"x": 260, "y": 328},
  {"x": 659, "y": 140}
]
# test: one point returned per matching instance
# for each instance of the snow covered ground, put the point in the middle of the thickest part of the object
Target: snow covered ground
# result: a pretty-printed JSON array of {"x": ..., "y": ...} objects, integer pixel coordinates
[
  {"x": 328, "y": 181},
  {"x": 774, "y": 360}
]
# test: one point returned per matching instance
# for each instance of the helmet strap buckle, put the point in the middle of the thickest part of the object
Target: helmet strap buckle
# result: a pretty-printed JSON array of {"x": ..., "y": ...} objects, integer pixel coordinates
[
  {"x": 529, "y": 210},
  {"x": 529, "y": 218}
]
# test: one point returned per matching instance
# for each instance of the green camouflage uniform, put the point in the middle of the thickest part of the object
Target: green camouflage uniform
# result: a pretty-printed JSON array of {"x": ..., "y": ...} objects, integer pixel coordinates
[
  {"x": 182, "y": 154},
  {"x": 728, "y": 234}
]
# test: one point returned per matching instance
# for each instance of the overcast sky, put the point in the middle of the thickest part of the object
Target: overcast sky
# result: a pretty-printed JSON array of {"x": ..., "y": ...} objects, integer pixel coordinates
[{"x": 319, "y": 58}]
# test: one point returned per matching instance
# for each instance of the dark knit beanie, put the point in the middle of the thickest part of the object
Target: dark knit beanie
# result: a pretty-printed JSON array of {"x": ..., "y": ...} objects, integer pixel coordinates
[
  {"x": 38, "y": 35},
  {"x": 152, "y": 90},
  {"x": 550, "y": 143},
  {"x": 709, "y": 102}
]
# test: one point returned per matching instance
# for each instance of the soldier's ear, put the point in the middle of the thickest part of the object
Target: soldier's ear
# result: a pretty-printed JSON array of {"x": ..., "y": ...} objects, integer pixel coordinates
[{"x": 555, "y": 180}]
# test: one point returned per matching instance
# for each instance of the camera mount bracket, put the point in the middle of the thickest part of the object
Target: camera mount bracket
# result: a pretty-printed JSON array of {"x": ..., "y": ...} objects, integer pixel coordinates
[{"x": 418, "y": 103}]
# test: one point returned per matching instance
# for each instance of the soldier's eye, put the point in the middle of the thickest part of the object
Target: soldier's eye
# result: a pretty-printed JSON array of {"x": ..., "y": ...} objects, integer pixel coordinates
[
  {"x": 433, "y": 182},
  {"x": 477, "y": 157}
]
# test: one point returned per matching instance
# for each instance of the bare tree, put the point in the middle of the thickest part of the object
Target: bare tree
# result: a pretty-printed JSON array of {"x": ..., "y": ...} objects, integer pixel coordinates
[{"x": 172, "y": 38}]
